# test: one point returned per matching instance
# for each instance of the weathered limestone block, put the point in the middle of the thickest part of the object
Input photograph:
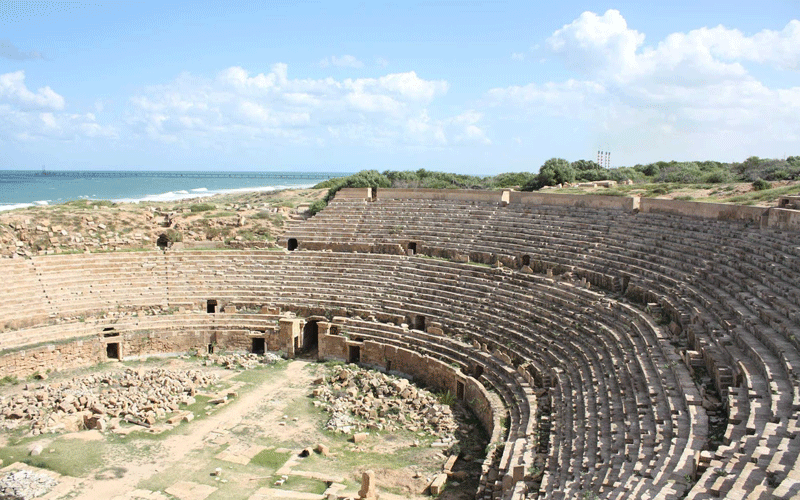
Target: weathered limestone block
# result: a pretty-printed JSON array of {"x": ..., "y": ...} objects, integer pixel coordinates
[
  {"x": 367, "y": 491},
  {"x": 437, "y": 485}
]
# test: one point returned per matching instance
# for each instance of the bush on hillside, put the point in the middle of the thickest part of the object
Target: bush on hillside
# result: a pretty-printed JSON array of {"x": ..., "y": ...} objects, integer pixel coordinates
[{"x": 761, "y": 185}]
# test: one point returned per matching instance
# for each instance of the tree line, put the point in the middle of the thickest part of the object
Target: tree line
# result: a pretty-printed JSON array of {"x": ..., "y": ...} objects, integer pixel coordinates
[{"x": 560, "y": 171}]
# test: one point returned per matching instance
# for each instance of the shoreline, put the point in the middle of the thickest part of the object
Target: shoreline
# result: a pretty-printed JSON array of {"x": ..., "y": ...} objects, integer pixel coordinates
[{"x": 165, "y": 197}]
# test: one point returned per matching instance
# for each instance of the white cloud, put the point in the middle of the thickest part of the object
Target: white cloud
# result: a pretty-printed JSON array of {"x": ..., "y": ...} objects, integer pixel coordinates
[
  {"x": 690, "y": 90},
  {"x": 381, "y": 62},
  {"x": 518, "y": 56},
  {"x": 238, "y": 107},
  {"x": 345, "y": 61},
  {"x": 26, "y": 115},
  {"x": 14, "y": 91}
]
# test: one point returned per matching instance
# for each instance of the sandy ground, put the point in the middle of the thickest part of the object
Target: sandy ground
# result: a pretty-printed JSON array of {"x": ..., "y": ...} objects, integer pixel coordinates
[
  {"x": 277, "y": 410},
  {"x": 175, "y": 448}
]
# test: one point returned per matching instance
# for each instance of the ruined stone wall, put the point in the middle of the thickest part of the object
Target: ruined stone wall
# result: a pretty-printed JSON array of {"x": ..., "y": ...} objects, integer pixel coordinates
[
  {"x": 440, "y": 194},
  {"x": 781, "y": 218},
  {"x": 84, "y": 344},
  {"x": 573, "y": 200},
  {"x": 477, "y": 397},
  {"x": 332, "y": 347},
  {"x": 53, "y": 357},
  {"x": 147, "y": 342},
  {"x": 719, "y": 211},
  {"x": 353, "y": 194}
]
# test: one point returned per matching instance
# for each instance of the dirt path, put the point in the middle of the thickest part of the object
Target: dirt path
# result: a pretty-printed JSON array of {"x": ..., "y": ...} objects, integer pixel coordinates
[{"x": 175, "y": 448}]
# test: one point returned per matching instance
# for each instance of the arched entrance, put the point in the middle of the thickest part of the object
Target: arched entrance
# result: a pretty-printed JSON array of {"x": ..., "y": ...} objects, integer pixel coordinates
[{"x": 291, "y": 244}]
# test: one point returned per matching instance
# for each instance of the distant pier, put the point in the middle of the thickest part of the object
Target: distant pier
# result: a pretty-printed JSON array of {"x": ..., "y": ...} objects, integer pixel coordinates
[{"x": 194, "y": 175}]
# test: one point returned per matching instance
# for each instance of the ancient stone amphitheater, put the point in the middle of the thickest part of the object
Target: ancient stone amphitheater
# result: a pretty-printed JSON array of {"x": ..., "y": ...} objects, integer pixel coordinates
[{"x": 612, "y": 347}]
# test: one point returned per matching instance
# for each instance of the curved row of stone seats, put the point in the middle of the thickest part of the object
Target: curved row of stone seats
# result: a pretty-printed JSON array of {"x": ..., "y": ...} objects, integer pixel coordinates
[
  {"x": 765, "y": 362},
  {"x": 430, "y": 286},
  {"x": 480, "y": 285},
  {"x": 327, "y": 271},
  {"x": 721, "y": 312},
  {"x": 759, "y": 350},
  {"x": 452, "y": 225},
  {"x": 23, "y": 296},
  {"x": 729, "y": 305},
  {"x": 78, "y": 285}
]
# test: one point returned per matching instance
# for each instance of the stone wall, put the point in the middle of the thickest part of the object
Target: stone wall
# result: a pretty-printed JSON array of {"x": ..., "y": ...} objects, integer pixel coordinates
[
  {"x": 145, "y": 336},
  {"x": 441, "y": 194},
  {"x": 53, "y": 357},
  {"x": 717, "y": 211},
  {"x": 147, "y": 342},
  {"x": 431, "y": 372},
  {"x": 781, "y": 218},
  {"x": 354, "y": 193},
  {"x": 573, "y": 200}
]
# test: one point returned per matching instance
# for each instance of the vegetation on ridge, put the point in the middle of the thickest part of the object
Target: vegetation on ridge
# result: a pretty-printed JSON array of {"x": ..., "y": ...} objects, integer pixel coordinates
[{"x": 760, "y": 172}]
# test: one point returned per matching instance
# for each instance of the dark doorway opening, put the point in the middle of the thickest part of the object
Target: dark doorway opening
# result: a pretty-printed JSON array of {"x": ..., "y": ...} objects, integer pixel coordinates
[
  {"x": 388, "y": 365},
  {"x": 374, "y": 194},
  {"x": 259, "y": 346},
  {"x": 112, "y": 350},
  {"x": 478, "y": 371},
  {"x": 460, "y": 390},
  {"x": 291, "y": 244},
  {"x": 526, "y": 260},
  {"x": 412, "y": 247},
  {"x": 163, "y": 242},
  {"x": 419, "y": 322},
  {"x": 354, "y": 354},
  {"x": 211, "y": 348},
  {"x": 334, "y": 330},
  {"x": 310, "y": 336},
  {"x": 211, "y": 306}
]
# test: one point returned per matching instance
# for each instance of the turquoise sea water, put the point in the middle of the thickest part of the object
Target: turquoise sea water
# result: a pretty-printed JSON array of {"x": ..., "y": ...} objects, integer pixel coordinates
[{"x": 21, "y": 188}]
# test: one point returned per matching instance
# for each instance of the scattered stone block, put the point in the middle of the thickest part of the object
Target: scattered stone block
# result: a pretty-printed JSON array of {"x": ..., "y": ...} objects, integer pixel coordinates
[
  {"x": 367, "y": 491},
  {"x": 437, "y": 485}
]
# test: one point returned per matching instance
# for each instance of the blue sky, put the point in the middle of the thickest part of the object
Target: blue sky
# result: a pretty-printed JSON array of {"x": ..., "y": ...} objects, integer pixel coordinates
[{"x": 454, "y": 85}]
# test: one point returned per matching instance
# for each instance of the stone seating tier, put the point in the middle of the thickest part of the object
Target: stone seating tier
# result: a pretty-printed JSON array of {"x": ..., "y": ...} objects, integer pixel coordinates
[{"x": 605, "y": 315}]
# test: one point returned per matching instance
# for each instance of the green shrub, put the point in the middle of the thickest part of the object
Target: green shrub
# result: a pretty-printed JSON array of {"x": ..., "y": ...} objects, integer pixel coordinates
[
  {"x": 316, "y": 207},
  {"x": 201, "y": 207},
  {"x": 718, "y": 177},
  {"x": 554, "y": 171},
  {"x": 447, "y": 398},
  {"x": 761, "y": 185}
]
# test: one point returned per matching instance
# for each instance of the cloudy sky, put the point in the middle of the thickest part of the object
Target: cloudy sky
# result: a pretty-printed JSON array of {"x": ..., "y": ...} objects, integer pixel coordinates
[{"x": 465, "y": 86}]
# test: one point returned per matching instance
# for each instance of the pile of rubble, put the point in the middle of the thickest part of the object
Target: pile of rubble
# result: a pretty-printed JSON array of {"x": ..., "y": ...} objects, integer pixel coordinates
[
  {"x": 25, "y": 484},
  {"x": 240, "y": 361},
  {"x": 360, "y": 399},
  {"x": 137, "y": 396}
]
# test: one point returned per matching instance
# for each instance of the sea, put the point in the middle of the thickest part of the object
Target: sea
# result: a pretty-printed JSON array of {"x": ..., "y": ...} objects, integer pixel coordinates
[{"x": 25, "y": 188}]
